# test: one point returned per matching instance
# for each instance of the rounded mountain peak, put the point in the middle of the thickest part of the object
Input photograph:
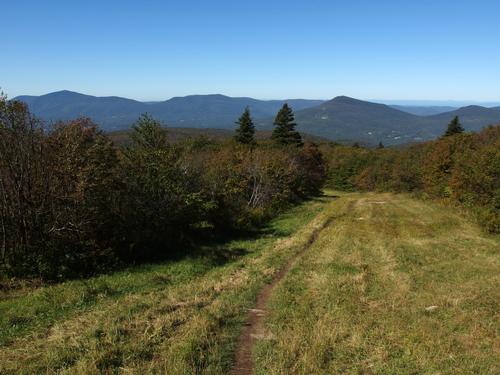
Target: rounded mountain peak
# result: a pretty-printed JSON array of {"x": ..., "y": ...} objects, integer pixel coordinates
[{"x": 345, "y": 100}]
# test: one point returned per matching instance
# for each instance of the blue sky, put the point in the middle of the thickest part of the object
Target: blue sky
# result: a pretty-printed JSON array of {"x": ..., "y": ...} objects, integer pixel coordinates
[{"x": 152, "y": 50}]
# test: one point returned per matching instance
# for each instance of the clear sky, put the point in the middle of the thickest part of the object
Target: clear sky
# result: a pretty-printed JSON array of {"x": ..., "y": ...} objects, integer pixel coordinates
[{"x": 152, "y": 50}]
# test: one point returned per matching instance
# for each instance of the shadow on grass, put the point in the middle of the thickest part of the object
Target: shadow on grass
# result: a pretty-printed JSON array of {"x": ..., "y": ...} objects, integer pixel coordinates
[{"x": 216, "y": 247}]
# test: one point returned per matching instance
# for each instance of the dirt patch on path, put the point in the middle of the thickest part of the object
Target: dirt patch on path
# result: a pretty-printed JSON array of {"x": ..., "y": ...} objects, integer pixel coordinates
[{"x": 254, "y": 329}]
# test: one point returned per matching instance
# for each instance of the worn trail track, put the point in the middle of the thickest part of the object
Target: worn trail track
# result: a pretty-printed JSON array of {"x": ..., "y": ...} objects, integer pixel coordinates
[{"x": 254, "y": 329}]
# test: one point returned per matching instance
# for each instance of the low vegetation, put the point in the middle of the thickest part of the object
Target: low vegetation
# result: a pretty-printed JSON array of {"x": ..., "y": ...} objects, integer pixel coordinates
[{"x": 392, "y": 286}]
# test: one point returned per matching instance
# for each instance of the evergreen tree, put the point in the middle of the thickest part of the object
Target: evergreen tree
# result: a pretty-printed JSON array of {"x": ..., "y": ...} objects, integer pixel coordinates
[
  {"x": 454, "y": 127},
  {"x": 284, "y": 132},
  {"x": 246, "y": 129},
  {"x": 356, "y": 145},
  {"x": 149, "y": 133},
  {"x": 380, "y": 145}
]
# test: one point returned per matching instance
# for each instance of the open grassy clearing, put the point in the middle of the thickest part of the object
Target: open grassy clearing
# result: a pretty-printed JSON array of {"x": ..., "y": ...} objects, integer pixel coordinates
[
  {"x": 177, "y": 318},
  {"x": 390, "y": 286},
  {"x": 394, "y": 286}
]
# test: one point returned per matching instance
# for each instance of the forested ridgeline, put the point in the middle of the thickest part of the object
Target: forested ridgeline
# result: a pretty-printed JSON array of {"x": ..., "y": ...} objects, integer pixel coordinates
[
  {"x": 459, "y": 168},
  {"x": 72, "y": 203}
]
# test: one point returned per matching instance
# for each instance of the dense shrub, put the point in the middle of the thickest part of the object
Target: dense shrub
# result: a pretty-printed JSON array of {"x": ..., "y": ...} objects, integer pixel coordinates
[
  {"x": 344, "y": 165},
  {"x": 475, "y": 179},
  {"x": 72, "y": 203}
]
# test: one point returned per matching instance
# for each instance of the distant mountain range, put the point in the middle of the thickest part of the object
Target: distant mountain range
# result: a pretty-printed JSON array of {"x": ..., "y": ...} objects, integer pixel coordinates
[
  {"x": 194, "y": 111},
  {"x": 347, "y": 119},
  {"x": 341, "y": 119}
]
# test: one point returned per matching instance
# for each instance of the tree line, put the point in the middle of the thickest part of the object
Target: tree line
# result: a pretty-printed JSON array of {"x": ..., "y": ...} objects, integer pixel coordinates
[
  {"x": 72, "y": 203},
  {"x": 459, "y": 168}
]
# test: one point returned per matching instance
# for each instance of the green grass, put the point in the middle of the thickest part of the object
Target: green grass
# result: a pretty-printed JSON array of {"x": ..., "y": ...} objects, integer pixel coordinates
[
  {"x": 359, "y": 301},
  {"x": 181, "y": 316},
  {"x": 356, "y": 302}
]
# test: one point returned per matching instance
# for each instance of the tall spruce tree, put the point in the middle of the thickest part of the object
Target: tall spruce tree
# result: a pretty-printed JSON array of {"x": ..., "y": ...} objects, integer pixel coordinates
[
  {"x": 454, "y": 127},
  {"x": 284, "y": 132},
  {"x": 380, "y": 145},
  {"x": 246, "y": 130},
  {"x": 149, "y": 133}
]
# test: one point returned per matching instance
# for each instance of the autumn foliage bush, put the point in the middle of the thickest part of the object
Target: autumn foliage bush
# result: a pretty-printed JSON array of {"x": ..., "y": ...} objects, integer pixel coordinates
[
  {"x": 462, "y": 169},
  {"x": 72, "y": 203}
]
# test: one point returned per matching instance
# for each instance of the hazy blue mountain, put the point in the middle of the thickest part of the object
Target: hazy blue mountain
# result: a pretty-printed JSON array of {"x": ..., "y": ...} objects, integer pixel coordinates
[
  {"x": 340, "y": 119},
  {"x": 110, "y": 112},
  {"x": 472, "y": 117},
  {"x": 423, "y": 110},
  {"x": 218, "y": 110},
  {"x": 114, "y": 113},
  {"x": 348, "y": 119}
]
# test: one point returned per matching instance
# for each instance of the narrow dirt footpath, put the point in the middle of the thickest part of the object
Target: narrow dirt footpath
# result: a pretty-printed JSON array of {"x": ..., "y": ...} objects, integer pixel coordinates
[{"x": 254, "y": 329}]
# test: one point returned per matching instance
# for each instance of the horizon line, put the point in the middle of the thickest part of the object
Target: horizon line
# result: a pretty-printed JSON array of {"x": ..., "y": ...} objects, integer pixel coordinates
[{"x": 382, "y": 101}]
